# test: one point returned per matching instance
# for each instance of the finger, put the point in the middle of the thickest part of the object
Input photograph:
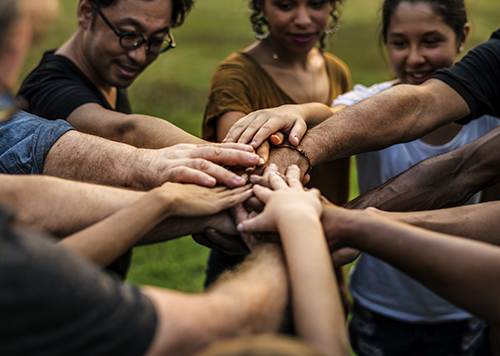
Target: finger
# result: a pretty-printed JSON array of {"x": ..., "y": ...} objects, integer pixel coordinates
[
  {"x": 232, "y": 200},
  {"x": 297, "y": 133},
  {"x": 270, "y": 169},
  {"x": 271, "y": 127},
  {"x": 277, "y": 138},
  {"x": 277, "y": 181},
  {"x": 262, "y": 193},
  {"x": 260, "y": 180},
  {"x": 204, "y": 241},
  {"x": 225, "y": 156},
  {"x": 293, "y": 176},
  {"x": 306, "y": 179},
  {"x": 235, "y": 131},
  {"x": 237, "y": 146},
  {"x": 221, "y": 175},
  {"x": 263, "y": 152}
]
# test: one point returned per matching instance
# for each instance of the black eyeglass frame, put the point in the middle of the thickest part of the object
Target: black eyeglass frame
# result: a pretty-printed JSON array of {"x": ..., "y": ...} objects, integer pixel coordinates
[{"x": 122, "y": 35}]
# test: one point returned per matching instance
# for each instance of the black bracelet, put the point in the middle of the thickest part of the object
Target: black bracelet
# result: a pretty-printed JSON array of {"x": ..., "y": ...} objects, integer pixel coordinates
[{"x": 302, "y": 152}]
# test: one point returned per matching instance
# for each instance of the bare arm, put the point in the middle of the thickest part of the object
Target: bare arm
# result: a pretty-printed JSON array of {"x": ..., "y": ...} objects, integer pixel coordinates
[
  {"x": 61, "y": 206},
  {"x": 105, "y": 241},
  {"x": 137, "y": 130},
  {"x": 93, "y": 159},
  {"x": 399, "y": 114},
  {"x": 456, "y": 268},
  {"x": 247, "y": 301},
  {"x": 441, "y": 181},
  {"x": 478, "y": 222}
]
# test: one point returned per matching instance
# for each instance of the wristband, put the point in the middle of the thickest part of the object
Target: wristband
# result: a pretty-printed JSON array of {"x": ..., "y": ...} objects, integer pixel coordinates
[{"x": 302, "y": 152}]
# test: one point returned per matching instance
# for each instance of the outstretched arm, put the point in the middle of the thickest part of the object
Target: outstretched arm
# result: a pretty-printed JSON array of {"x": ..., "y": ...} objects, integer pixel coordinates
[
  {"x": 441, "y": 181},
  {"x": 458, "y": 269},
  {"x": 93, "y": 159},
  {"x": 105, "y": 241},
  {"x": 399, "y": 114},
  {"x": 249, "y": 300}
]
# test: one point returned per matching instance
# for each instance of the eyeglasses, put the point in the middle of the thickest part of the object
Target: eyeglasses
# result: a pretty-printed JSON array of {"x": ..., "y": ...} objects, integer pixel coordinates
[
  {"x": 133, "y": 40},
  {"x": 9, "y": 105}
]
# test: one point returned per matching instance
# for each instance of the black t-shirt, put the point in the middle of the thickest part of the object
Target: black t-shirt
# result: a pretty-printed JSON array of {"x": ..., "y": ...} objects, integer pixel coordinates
[
  {"x": 477, "y": 79},
  {"x": 56, "y": 87},
  {"x": 53, "y": 302}
]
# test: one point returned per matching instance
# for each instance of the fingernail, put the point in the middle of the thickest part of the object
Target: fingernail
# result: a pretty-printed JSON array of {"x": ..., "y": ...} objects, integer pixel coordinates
[
  {"x": 224, "y": 140},
  {"x": 240, "y": 227},
  {"x": 261, "y": 161},
  {"x": 254, "y": 177},
  {"x": 272, "y": 165},
  {"x": 239, "y": 180},
  {"x": 244, "y": 176},
  {"x": 253, "y": 143},
  {"x": 249, "y": 169},
  {"x": 294, "y": 166}
]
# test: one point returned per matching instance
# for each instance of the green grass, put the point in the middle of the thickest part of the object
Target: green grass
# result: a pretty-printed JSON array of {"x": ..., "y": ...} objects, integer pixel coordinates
[{"x": 175, "y": 88}]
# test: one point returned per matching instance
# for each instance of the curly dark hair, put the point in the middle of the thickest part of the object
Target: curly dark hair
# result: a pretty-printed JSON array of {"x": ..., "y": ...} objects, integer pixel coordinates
[
  {"x": 180, "y": 9},
  {"x": 259, "y": 21}
]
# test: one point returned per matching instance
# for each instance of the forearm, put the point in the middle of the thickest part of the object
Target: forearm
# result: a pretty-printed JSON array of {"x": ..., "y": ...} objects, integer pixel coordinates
[
  {"x": 478, "y": 222},
  {"x": 107, "y": 240},
  {"x": 250, "y": 300},
  {"x": 441, "y": 181},
  {"x": 88, "y": 158},
  {"x": 458, "y": 269},
  {"x": 317, "y": 309},
  {"x": 151, "y": 132},
  {"x": 73, "y": 205},
  {"x": 400, "y": 114}
]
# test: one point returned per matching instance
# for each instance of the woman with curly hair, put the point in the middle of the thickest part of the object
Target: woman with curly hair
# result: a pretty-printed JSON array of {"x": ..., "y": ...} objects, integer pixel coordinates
[{"x": 287, "y": 65}]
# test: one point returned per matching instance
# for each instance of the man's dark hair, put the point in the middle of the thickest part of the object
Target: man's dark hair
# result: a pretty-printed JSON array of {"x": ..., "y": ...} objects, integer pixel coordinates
[{"x": 180, "y": 9}]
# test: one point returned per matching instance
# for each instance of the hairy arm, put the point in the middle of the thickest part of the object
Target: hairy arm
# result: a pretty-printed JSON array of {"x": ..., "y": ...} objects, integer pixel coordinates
[
  {"x": 458, "y": 269},
  {"x": 61, "y": 206},
  {"x": 93, "y": 159},
  {"x": 137, "y": 130},
  {"x": 441, "y": 181},
  {"x": 399, "y": 114},
  {"x": 250, "y": 300}
]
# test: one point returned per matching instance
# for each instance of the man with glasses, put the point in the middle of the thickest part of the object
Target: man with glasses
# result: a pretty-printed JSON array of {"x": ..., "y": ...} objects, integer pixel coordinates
[{"x": 85, "y": 80}]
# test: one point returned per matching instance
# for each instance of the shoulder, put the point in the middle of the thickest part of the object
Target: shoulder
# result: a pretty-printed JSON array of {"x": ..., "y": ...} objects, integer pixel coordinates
[{"x": 238, "y": 65}]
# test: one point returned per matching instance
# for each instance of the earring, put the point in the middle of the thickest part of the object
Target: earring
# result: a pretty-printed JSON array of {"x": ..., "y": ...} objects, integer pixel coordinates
[
  {"x": 261, "y": 36},
  {"x": 460, "y": 49},
  {"x": 332, "y": 28}
]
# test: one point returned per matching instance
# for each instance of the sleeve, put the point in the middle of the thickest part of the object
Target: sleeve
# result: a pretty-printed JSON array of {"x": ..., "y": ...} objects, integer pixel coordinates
[
  {"x": 360, "y": 92},
  {"x": 229, "y": 91},
  {"x": 26, "y": 141},
  {"x": 54, "y": 302},
  {"x": 339, "y": 74},
  {"x": 477, "y": 79},
  {"x": 54, "y": 91}
]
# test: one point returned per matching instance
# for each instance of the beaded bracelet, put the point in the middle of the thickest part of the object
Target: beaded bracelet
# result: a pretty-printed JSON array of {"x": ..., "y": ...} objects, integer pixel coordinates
[{"x": 302, "y": 152}]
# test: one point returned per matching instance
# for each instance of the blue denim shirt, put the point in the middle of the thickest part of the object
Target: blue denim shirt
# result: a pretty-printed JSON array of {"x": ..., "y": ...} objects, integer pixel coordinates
[{"x": 26, "y": 140}]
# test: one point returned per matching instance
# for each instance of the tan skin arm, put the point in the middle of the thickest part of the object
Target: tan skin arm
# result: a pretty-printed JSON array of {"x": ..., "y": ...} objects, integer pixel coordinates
[
  {"x": 105, "y": 241},
  {"x": 248, "y": 301},
  {"x": 456, "y": 268},
  {"x": 399, "y": 114},
  {"x": 93, "y": 159},
  {"x": 137, "y": 130}
]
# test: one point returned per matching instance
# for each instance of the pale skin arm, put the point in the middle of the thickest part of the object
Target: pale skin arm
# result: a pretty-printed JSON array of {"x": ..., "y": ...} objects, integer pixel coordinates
[
  {"x": 295, "y": 214},
  {"x": 456, "y": 268},
  {"x": 61, "y": 206},
  {"x": 105, "y": 241},
  {"x": 93, "y": 159},
  {"x": 137, "y": 130},
  {"x": 248, "y": 301}
]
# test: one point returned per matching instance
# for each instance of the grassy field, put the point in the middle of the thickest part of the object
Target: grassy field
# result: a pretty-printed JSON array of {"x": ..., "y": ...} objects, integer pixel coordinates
[{"x": 175, "y": 88}]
